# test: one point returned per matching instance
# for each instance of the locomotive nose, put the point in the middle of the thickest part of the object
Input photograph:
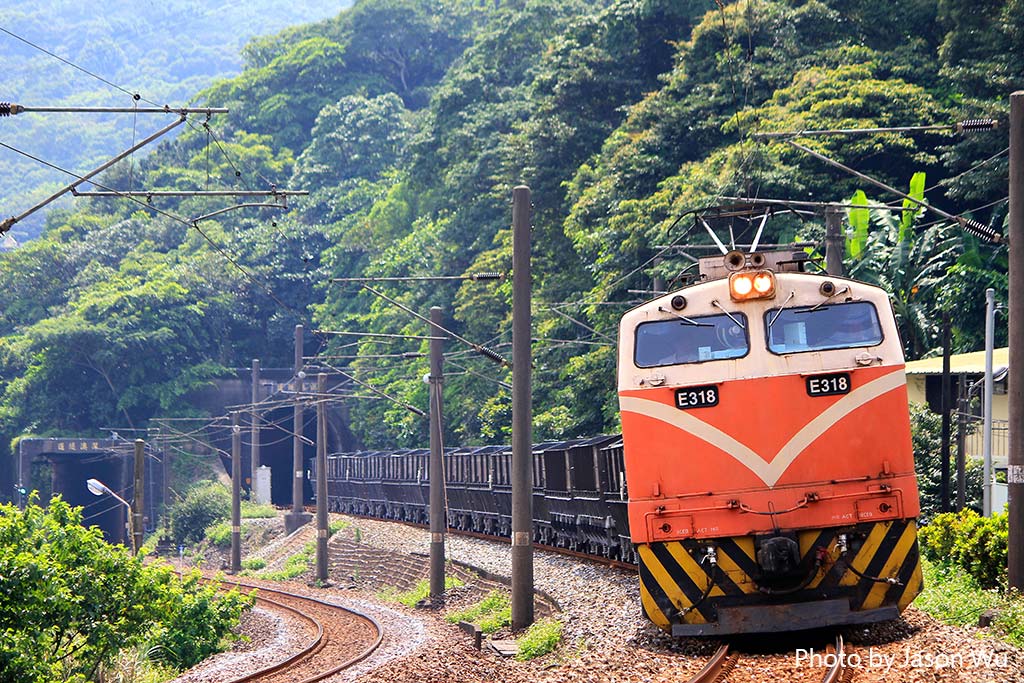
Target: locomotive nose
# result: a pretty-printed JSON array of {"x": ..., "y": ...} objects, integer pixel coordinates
[{"x": 778, "y": 556}]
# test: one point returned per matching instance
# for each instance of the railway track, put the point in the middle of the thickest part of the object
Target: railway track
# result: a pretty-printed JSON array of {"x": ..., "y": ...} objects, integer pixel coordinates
[
  {"x": 599, "y": 559},
  {"x": 724, "y": 661},
  {"x": 339, "y": 637}
]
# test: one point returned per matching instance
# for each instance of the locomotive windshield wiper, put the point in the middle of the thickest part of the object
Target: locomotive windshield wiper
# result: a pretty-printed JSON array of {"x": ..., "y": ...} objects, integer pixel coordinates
[
  {"x": 714, "y": 302},
  {"x": 822, "y": 303},
  {"x": 684, "y": 318},
  {"x": 778, "y": 313}
]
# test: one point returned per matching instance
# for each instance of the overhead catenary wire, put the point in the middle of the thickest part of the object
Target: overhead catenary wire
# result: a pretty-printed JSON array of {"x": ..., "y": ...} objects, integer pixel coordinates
[
  {"x": 408, "y": 406},
  {"x": 134, "y": 95},
  {"x": 969, "y": 224},
  {"x": 479, "y": 348}
]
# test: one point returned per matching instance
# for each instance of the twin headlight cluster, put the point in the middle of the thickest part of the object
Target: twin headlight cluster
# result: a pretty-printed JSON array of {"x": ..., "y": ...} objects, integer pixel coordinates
[{"x": 752, "y": 284}]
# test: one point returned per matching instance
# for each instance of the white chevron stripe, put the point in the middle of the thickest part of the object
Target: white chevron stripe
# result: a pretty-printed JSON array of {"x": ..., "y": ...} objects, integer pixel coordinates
[{"x": 767, "y": 472}]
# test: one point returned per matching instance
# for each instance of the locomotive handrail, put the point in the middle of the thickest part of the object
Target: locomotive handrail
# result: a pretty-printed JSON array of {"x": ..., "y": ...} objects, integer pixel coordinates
[{"x": 802, "y": 503}]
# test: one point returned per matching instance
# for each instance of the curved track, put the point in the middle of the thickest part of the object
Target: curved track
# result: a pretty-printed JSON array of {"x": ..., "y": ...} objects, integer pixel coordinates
[
  {"x": 723, "y": 662},
  {"x": 340, "y": 637}
]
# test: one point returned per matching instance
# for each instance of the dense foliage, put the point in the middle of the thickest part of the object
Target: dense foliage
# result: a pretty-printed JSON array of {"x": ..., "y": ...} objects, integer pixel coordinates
[
  {"x": 971, "y": 542},
  {"x": 409, "y": 121},
  {"x": 203, "y": 505},
  {"x": 926, "y": 438},
  {"x": 71, "y": 602},
  {"x": 165, "y": 52}
]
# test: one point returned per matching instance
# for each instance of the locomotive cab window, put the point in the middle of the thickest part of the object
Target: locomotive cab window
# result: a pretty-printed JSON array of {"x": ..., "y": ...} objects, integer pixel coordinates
[
  {"x": 691, "y": 340},
  {"x": 821, "y": 328}
]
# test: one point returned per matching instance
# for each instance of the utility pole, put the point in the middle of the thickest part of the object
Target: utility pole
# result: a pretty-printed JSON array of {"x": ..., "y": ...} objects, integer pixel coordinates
[
  {"x": 986, "y": 434},
  {"x": 962, "y": 405},
  {"x": 522, "y": 414},
  {"x": 297, "y": 518},
  {"x": 1015, "y": 379},
  {"x": 236, "y": 494},
  {"x": 321, "y": 478},
  {"x": 165, "y": 484},
  {"x": 944, "y": 452},
  {"x": 438, "y": 514},
  {"x": 138, "y": 507},
  {"x": 254, "y": 431},
  {"x": 834, "y": 246}
]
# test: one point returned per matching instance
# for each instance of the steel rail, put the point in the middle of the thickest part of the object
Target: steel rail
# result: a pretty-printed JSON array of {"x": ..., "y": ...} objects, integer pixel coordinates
[
  {"x": 315, "y": 645},
  {"x": 717, "y": 668},
  {"x": 840, "y": 670}
]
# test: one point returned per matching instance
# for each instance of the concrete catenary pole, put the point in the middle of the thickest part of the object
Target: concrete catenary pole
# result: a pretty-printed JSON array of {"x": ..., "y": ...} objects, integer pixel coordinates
[
  {"x": 321, "y": 478},
  {"x": 236, "y": 494},
  {"x": 138, "y": 508},
  {"x": 254, "y": 434},
  {"x": 297, "y": 468},
  {"x": 165, "y": 481},
  {"x": 945, "y": 402},
  {"x": 986, "y": 434},
  {"x": 1015, "y": 380},
  {"x": 834, "y": 246},
  {"x": 438, "y": 514},
  {"x": 297, "y": 517},
  {"x": 522, "y": 414}
]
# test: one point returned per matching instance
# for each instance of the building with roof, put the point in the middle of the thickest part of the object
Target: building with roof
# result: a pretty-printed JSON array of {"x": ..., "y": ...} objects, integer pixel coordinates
[{"x": 967, "y": 375}]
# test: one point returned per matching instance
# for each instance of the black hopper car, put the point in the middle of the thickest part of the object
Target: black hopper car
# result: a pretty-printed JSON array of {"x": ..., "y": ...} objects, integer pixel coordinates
[{"x": 579, "y": 491}]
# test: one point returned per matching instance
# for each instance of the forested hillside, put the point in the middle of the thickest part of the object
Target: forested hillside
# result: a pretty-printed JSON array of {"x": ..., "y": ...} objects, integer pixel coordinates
[
  {"x": 165, "y": 52},
  {"x": 410, "y": 121}
]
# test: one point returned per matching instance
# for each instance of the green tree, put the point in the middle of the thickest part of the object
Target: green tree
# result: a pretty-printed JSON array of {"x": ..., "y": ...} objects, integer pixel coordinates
[{"x": 71, "y": 602}]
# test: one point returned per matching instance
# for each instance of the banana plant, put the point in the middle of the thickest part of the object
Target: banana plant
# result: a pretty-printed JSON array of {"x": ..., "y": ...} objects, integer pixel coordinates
[{"x": 893, "y": 250}]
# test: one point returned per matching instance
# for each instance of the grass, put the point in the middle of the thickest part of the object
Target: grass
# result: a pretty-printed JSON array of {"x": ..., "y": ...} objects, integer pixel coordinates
[
  {"x": 954, "y": 597},
  {"x": 251, "y": 510},
  {"x": 421, "y": 591},
  {"x": 541, "y": 638},
  {"x": 296, "y": 565},
  {"x": 254, "y": 563},
  {"x": 336, "y": 526},
  {"x": 490, "y": 614},
  {"x": 219, "y": 535}
]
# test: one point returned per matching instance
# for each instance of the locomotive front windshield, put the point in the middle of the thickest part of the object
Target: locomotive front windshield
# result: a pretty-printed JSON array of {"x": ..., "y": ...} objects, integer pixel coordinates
[
  {"x": 691, "y": 340},
  {"x": 820, "y": 328}
]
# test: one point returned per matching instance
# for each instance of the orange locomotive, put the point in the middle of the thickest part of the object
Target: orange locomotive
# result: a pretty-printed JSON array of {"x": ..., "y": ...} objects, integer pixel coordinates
[{"x": 767, "y": 451}]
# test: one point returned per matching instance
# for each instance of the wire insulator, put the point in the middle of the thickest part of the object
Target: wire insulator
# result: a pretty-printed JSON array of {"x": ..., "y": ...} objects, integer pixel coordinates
[
  {"x": 488, "y": 353},
  {"x": 979, "y": 229},
  {"x": 5, "y": 108},
  {"x": 485, "y": 276},
  {"x": 976, "y": 124}
]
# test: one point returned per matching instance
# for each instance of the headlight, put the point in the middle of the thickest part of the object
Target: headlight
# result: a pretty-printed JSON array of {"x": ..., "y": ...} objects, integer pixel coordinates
[{"x": 752, "y": 284}]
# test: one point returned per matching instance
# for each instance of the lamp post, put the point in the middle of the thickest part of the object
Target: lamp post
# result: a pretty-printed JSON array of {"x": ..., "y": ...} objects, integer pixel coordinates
[{"x": 98, "y": 488}]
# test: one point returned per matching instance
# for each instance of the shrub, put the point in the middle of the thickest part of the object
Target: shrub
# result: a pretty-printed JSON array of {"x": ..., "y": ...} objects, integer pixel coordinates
[
  {"x": 541, "y": 638},
  {"x": 204, "y": 504},
  {"x": 72, "y": 602},
  {"x": 219, "y": 535},
  {"x": 966, "y": 539},
  {"x": 490, "y": 614},
  {"x": 254, "y": 563}
]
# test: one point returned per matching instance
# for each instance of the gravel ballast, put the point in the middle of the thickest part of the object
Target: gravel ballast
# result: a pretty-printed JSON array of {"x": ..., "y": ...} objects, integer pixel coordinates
[{"x": 606, "y": 638}]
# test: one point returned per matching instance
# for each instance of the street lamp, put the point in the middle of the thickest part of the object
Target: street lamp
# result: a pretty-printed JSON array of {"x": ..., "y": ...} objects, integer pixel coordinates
[{"x": 98, "y": 488}]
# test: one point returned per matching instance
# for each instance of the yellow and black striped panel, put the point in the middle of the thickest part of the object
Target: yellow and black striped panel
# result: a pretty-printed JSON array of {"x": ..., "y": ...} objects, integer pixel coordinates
[{"x": 679, "y": 585}]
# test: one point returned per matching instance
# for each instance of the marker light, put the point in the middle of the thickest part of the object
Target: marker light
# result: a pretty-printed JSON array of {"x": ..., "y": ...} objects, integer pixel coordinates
[{"x": 756, "y": 284}]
